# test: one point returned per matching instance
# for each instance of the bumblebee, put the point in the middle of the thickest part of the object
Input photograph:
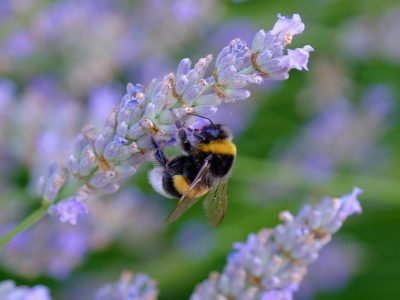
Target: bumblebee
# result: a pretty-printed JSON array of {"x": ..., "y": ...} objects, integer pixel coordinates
[{"x": 204, "y": 168}]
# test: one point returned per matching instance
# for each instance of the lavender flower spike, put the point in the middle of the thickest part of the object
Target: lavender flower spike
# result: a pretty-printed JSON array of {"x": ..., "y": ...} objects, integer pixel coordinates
[
  {"x": 103, "y": 159},
  {"x": 138, "y": 287},
  {"x": 272, "y": 263},
  {"x": 8, "y": 291}
]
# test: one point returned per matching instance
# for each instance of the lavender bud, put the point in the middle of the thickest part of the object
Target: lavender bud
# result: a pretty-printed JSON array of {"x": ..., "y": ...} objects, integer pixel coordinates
[
  {"x": 236, "y": 94},
  {"x": 259, "y": 41},
  {"x": 73, "y": 164},
  {"x": 125, "y": 171},
  {"x": 99, "y": 144},
  {"x": 184, "y": 67},
  {"x": 209, "y": 99},
  {"x": 54, "y": 182},
  {"x": 227, "y": 74},
  {"x": 102, "y": 178},
  {"x": 88, "y": 161},
  {"x": 182, "y": 84},
  {"x": 192, "y": 93}
]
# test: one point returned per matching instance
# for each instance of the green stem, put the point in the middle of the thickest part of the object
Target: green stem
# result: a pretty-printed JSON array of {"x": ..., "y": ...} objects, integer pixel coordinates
[
  {"x": 25, "y": 224},
  {"x": 38, "y": 214}
]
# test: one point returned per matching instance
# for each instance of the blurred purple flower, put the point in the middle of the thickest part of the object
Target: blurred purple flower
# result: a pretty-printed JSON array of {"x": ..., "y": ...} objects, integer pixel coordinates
[
  {"x": 195, "y": 240},
  {"x": 367, "y": 36},
  {"x": 230, "y": 30},
  {"x": 272, "y": 263},
  {"x": 19, "y": 44},
  {"x": 51, "y": 248},
  {"x": 343, "y": 134},
  {"x": 185, "y": 10},
  {"x": 101, "y": 100},
  {"x": 129, "y": 286},
  {"x": 7, "y": 91},
  {"x": 68, "y": 210},
  {"x": 9, "y": 291}
]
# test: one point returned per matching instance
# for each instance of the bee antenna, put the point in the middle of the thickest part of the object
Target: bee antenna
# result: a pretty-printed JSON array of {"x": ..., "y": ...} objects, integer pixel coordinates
[{"x": 209, "y": 120}]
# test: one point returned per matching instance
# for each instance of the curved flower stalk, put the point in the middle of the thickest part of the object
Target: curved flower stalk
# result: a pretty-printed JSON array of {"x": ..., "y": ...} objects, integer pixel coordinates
[
  {"x": 272, "y": 263},
  {"x": 102, "y": 160}
]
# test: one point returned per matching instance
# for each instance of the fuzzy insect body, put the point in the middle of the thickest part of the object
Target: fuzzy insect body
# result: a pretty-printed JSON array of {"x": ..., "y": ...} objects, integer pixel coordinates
[{"x": 205, "y": 167}]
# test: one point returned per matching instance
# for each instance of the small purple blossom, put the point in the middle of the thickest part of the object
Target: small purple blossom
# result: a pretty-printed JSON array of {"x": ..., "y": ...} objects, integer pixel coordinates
[
  {"x": 185, "y": 10},
  {"x": 69, "y": 210},
  {"x": 299, "y": 57},
  {"x": 9, "y": 291},
  {"x": 287, "y": 27},
  {"x": 268, "y": 57}
]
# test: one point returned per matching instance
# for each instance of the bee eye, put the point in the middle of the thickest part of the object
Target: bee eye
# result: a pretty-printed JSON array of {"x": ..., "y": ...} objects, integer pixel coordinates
[{"x": 213, "y": 132}]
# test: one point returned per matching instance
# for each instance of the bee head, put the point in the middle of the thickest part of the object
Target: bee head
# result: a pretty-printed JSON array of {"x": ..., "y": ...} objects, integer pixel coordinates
[{"x": 213, "y": 132}]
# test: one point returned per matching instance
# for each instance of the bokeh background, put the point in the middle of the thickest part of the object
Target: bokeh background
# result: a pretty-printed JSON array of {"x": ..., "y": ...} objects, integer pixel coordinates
[{"x": 65, "y": 63}]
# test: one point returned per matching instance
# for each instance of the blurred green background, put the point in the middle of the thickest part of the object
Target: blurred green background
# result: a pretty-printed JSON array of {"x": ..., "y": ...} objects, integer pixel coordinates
[{"x": 357, "y": 47}]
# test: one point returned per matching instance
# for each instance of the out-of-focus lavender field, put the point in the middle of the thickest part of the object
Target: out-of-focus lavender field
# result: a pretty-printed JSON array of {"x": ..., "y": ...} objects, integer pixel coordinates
[{"x": 66, "y": 63}]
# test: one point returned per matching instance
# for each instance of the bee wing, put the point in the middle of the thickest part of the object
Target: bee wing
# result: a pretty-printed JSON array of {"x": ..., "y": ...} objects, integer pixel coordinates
[
  {"x": 216, "y": 202},
  {"x": 186, "y": 201}
]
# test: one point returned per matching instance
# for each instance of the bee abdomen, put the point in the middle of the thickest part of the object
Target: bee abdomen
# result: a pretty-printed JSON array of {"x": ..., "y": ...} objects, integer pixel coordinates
[
  {"x": 181, "y": 185},
  {"x": 169, "y": 186}
]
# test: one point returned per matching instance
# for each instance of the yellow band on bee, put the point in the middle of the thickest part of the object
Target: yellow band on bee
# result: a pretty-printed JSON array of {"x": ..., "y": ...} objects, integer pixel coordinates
[
  {"x": 219, "y": 147},
  {"x": 181, "y": 185}
]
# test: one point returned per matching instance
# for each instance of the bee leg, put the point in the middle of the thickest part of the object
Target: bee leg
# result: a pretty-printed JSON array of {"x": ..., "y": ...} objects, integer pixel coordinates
[
  {"x": 182, "y": 136},
  {"x": 159, "y": 154}
]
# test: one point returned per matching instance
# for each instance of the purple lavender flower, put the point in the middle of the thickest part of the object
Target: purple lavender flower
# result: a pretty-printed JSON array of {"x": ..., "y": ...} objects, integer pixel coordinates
[
  {"x": 272, "y": 263},
  {"x": 68, "y": 210},
  {"x": 299, "y": 57},
  {"x": 185, "y": 10},
  {"x": 366, "y": 36},
  {"x": 102, "y": 160},
  {"x": 268, "y": 57},
  {"x": 20, "y": 44},
  {"x": 129, "y": 286},
  {"x": 9, "y": 291},
  {"x": 344, "y": 135}
]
